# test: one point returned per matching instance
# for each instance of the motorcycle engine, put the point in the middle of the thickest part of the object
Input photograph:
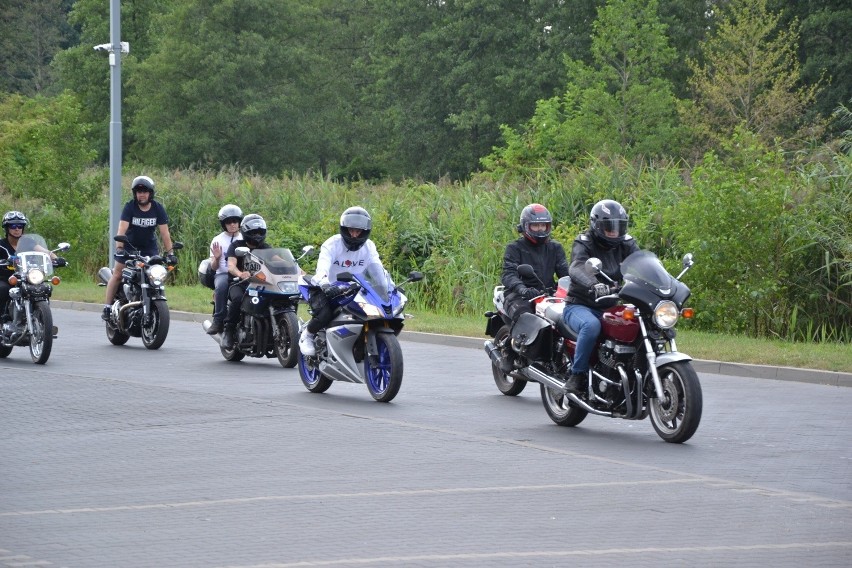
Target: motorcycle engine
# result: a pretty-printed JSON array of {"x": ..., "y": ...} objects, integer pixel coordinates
[
  {"x": 131, "y": 294},
  {"x": 613, "y": 354}
]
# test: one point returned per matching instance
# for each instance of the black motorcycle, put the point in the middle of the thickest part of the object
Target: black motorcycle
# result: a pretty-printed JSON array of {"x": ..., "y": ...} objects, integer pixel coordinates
[
  {"x": 269, "y": 326},
  {"x": 28, "y": 319},
  {"x": 140, "y": 308}
]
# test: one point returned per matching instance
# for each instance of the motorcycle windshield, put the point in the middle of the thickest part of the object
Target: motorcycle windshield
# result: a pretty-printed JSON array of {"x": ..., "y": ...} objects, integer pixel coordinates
[
  {"x": 645, "y": 269},
  {"x": 32, "y": 253},
  {"x": 278, "y": 260},
  {"x": 378, "y": 280}
]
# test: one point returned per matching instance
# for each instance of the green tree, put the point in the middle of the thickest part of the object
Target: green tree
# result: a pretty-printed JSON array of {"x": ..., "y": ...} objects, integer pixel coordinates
[{"x": 750, "y": 77}]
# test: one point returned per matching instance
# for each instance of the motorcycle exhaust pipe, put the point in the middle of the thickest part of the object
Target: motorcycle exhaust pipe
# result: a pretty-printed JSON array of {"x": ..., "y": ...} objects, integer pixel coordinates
[
  {"x": 535, "y": 375},
  {"x": 499, "y": 361}
]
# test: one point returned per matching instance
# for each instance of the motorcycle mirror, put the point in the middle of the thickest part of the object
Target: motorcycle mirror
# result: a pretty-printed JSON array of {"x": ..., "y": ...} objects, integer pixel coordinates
[
  {"x": 240, "y": 252},
  {"x": 64, "y": 246},
  {"x": 688, "y": 260},
  {"x": 177, "y": 245},
  {"x": 345, "y": 277},
  {"x": 595, "y": 265},
  {"x": 415, "y": 276},
  {"x": 526, "y": 271},
  {"x": 306, "y": 249}
]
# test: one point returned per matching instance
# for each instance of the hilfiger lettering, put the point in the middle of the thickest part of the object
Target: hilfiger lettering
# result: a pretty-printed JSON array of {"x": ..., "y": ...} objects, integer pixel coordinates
[{"x": 144, "y": 222}]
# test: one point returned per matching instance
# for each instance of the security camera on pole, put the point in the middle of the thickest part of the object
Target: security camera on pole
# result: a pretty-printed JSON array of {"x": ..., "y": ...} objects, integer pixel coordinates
[{"x": 115, "y": 48}]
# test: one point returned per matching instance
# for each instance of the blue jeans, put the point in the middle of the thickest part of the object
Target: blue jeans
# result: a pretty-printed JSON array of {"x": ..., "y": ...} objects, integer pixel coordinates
[
  {"x": 220, "y": 296},
  {"x": 586, "y": 322}
]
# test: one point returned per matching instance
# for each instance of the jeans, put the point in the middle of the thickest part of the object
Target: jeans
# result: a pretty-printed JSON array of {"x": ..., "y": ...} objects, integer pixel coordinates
[
  {"x": 220, "y": 296},
  {"x": 587, "y": 323}
]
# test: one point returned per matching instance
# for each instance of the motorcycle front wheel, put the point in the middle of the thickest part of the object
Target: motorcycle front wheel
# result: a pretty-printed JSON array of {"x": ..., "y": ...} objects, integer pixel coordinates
[
  {"x": 505, "y": 384},
  {"x": 311, "y": 376},
  {"x": 561, "y": 410},
  {"x": 41, "y": 338},
  {"x": 385, "y": 378},
  {"x": 286, "y": 345},
  {"x": 676, "y": 417},
  {"x": 154, "y": 334}
]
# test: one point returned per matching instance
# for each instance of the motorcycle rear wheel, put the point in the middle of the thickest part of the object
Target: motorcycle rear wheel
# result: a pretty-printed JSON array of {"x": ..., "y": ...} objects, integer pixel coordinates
[
  {"x": 311, "y": 376},
  {"x": 286, "y": 347},
  {"x": 154, "y": 334},
  {"x": 676, "y": 418},
  {"x": 115, "y": 337},
  {"x": 509, "y": 386},
  {"x": 41, "y": 339},
  {"x": 384, "y": 380},
  {"x": 561, "y": 410},
  {"x": 4, "y": 351}
]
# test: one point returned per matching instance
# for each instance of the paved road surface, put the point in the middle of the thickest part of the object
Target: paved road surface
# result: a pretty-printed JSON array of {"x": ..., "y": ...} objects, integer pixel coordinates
[{"x": 122, "y": 457}]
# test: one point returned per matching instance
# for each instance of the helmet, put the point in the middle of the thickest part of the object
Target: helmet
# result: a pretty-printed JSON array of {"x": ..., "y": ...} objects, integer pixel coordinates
[
  {"x": 253, "y": 229},
  {"x": 535, "y": 213},
  {"x": 230, "y": 211},
  {"x": 355, "y": 218},
  {"x": 14, "y": 218},
  {"x": 608, "y": 215},
  {"x": 142, "y": 182}
]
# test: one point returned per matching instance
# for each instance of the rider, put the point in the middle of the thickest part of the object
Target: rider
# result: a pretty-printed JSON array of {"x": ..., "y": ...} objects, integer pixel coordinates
[
  {"x": 140, "y": 216},
  {"x": 230, "y": 217},
  {"x": 536, "y": 248},
  {"x": 349, "y": 251},
  {"x": 607, "y": 240},
  {"x": 253, "y": 229},
  {"x": 14, "y": 223}
]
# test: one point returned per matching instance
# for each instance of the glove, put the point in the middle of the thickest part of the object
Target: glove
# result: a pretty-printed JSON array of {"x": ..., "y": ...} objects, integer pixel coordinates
[
  {"x": 332, "y": 291},
  {"x": 530, "y": 293},
  {"x": 171, "y": 260},
  {"x": 59, "y": 261},
  {"x": 121, "y": 257},
  {"x": 599, "y": 290}
]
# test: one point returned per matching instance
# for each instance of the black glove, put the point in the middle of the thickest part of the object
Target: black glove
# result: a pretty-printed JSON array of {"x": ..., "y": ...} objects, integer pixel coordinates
[
  {"x": 599, "y": 290},
  {"x": 121, "y": 256},
  {"x": 530, "y": 293},
  {"x": 59, "y": 261},
  {"x": 332, "y": 291},
  {"x": 171, "y": 260}
]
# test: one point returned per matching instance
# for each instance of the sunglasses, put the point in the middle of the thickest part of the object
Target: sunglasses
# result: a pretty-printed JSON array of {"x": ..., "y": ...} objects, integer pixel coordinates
[{"x": 16, "y": 226}]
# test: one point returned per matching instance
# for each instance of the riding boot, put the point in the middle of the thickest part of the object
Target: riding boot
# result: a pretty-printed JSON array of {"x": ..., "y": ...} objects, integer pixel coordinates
[
  {"x": 576, "y": 383},
  {"x": 215, "y": 327},
  {"x": 228, "y": 336}
]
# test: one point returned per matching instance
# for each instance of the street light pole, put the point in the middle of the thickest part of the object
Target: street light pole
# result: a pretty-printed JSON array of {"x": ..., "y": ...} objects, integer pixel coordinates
[{"x": 114, "y": 123}]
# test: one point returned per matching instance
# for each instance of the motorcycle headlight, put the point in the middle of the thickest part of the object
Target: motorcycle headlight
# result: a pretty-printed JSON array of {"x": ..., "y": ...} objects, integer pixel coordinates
[
  {"x": 158, "y": 273},
  {"x": 370, "y": 310},
  {"x": 666, "y": 314},
  {"x": 288, "y": 287},
  {"x": 35, "y": 276}
]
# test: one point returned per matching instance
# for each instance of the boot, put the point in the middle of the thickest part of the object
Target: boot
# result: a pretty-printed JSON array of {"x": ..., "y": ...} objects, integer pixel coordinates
[
  {"x": 306, "y": 343},
  {"x": 576, "y": 383},
  {"x": 228, "y": 337},
  {"x": 215, "y": 328},
  {"x": 105, "y": 315}
]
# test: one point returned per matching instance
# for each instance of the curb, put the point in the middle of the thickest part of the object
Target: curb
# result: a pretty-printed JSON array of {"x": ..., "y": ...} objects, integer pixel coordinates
[{"x": 813, "y": 376}]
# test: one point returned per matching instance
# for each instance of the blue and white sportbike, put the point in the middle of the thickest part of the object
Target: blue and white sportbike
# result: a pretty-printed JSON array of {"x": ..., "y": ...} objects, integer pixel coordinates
[{"x": 360, "y": 344}]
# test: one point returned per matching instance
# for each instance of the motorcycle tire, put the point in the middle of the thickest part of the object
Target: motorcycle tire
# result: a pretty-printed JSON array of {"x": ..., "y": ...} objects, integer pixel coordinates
[
  {"x": 233, "y": 355},
  {"x": 41, "y": 338},
  {"x": 676, "y": 418},
  {"x": 311, "y": 376},
  {"x": 506, "y": 384},
  {"x": 384, "y": 379},
  {"x": 4, "y": 351},
  {"x": 115, "y": 337},
  {"x": 154, "y": 334},
  {"x": 286, "y": 346},
  {"x": 561, "y": 410}
]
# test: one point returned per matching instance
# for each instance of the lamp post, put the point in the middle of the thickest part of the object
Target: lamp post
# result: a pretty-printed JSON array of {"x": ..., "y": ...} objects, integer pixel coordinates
[{"x": 115, "y": 48}]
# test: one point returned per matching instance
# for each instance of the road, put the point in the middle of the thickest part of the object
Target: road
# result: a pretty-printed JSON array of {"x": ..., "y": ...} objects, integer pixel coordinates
[{"x": 123, "y": 457}]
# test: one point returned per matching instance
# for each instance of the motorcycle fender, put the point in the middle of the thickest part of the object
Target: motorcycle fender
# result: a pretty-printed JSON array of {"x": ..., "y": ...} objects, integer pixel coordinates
[
  {"x": 494, "y": 324},
  {"x": 672, "y": 357}
]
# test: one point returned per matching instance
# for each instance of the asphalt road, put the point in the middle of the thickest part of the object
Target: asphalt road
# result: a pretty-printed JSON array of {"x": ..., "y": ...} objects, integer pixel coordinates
[{"x": 123, "y": 457}]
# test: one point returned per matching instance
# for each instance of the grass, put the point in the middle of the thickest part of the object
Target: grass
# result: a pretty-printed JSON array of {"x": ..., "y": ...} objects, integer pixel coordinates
[{"x": 700, "y": 345}]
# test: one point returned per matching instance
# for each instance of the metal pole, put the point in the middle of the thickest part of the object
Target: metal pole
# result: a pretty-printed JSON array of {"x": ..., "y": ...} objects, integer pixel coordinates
[{"x": 115, "y": 123}]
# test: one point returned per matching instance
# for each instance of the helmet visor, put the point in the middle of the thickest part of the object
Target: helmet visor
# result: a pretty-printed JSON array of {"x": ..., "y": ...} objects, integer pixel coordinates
[
  {"x": 355, "y": 221},
  {"x": 613, "y": 227}
]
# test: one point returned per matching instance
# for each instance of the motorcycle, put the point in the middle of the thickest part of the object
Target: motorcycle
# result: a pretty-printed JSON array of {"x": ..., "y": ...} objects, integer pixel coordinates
[
  {"x": 139, "y": 308},
  {"x": 635, "y": 371},
  {"x": 28, "y": 317},
  {"x": 360, "y": 344},
  {"x": 269, "y": 326}
]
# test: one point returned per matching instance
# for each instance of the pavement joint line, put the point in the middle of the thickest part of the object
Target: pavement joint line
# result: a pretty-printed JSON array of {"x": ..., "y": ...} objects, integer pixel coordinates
[
  {"x": 734, "y": 485},
  {"x": 352, "y": 495},
  {"x": 795, "y": 374},
  {"x": 396, "y": 560}
]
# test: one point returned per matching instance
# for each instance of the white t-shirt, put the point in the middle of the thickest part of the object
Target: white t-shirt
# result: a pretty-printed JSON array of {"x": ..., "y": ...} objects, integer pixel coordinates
[
  {"x": 224, "y": 240},
  {"x": 335, "y": 258}
]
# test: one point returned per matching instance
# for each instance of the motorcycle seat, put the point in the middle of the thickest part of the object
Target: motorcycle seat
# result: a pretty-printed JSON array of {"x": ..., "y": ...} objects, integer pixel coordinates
[{"x": 553, "y": 312}]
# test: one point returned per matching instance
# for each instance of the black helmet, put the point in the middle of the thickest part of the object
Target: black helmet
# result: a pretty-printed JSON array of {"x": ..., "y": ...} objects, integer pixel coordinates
[
  {"x": 229, "y": 212},
  {"x": 253, "y": 229},
  {"x": 355, "y": 218},
  {"x": 608, "y": 215},
  {"x": 142, "y": 182},
  {"x": 535, "y": 213},
  {"x": 14, "y": 218}
]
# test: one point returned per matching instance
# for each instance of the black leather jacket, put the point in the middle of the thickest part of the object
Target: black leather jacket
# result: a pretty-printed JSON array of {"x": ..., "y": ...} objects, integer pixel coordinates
[
  {"x": 582, "y": 279},
  {"x": 547, "y": 259}
]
